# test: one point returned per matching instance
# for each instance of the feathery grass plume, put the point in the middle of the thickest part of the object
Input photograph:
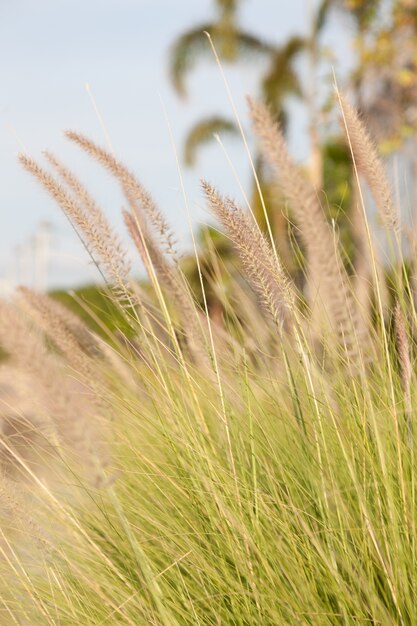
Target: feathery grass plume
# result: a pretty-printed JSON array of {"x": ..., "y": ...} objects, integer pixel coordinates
[
  {"x": 62, "y": 327},
  {"x": 64, "y": 408},
  {"x": 369, "y": 164},
  {"x": 149, "y": 241},
  {"x": 96, "y": 215},
  {"x": 98, "y": 240},
  {"x": 139, "y": 199},
  {"x": 141, "y": 203},
  {"x": 328, "y": 277},
  {"x": 263, "y": 269},
  {"x": 305, "y": 516},
  {"x": 404, "y": 361}
]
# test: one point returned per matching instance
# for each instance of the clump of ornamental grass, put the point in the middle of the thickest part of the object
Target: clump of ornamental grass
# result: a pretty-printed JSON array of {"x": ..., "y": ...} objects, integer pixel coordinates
[{"x": 255, "y": 468}]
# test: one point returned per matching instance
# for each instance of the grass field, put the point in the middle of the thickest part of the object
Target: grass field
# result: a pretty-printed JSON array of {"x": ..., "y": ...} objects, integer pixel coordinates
[{"x": 254, "y": 469}]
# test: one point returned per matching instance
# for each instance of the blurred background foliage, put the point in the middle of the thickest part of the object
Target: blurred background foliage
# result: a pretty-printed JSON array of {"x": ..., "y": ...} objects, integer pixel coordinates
[{"x": 382, "y": 84}]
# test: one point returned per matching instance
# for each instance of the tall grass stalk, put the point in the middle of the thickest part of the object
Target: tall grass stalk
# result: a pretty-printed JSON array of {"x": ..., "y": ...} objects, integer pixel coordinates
[{"x": 251, "y": 468}]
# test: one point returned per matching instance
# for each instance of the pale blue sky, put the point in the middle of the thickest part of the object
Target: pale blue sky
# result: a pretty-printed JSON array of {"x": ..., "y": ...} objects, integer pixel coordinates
[{"x": 49, "y": 49}]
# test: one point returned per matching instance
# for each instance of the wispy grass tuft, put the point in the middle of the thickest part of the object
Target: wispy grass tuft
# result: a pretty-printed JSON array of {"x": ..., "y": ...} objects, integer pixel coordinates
[
  {"x": 330, "y": 293},
  {"x": 238, "y": 470},
  {"x": 370, "y": 165},
  {"x": 264, "y": 270}
]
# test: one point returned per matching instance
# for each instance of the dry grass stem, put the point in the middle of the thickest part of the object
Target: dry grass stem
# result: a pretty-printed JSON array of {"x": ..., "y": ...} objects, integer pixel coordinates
[
  {"x": 257, "y": 459},
  {"x": 93, "y": 211},
  {"x": 404, "y": 361},
  {"x": 264, "y": 271},
  {"x": 174, "y": 285},
  {"x": 370, "y": 165},
  {"x": 329, "y": 289},
  {"x": 63, "y": 328},
  {"x": 139, "y": 199},
  {"x": 151, "y": 243},
  {"x": 110, "y": 258}
]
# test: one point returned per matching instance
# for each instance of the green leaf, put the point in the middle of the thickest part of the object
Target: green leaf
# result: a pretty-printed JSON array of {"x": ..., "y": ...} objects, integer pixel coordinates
[
  {"x": 202, "y": 132},
  {"x": 228, "y": 6},
  {"x": 281, "y": 79},
  {"x": 231, "y": 44},
  {"x": 321, "y": 16},
  {"x": 184, "y": 53}
]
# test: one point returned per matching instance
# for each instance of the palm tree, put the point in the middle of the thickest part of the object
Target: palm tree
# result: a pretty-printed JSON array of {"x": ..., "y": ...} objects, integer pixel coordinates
[{"x": 233, "y": 44}]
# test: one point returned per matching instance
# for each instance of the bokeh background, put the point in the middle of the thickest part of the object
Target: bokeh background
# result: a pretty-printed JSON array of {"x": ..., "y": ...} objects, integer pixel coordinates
[{"x": 52, "y": 49}]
